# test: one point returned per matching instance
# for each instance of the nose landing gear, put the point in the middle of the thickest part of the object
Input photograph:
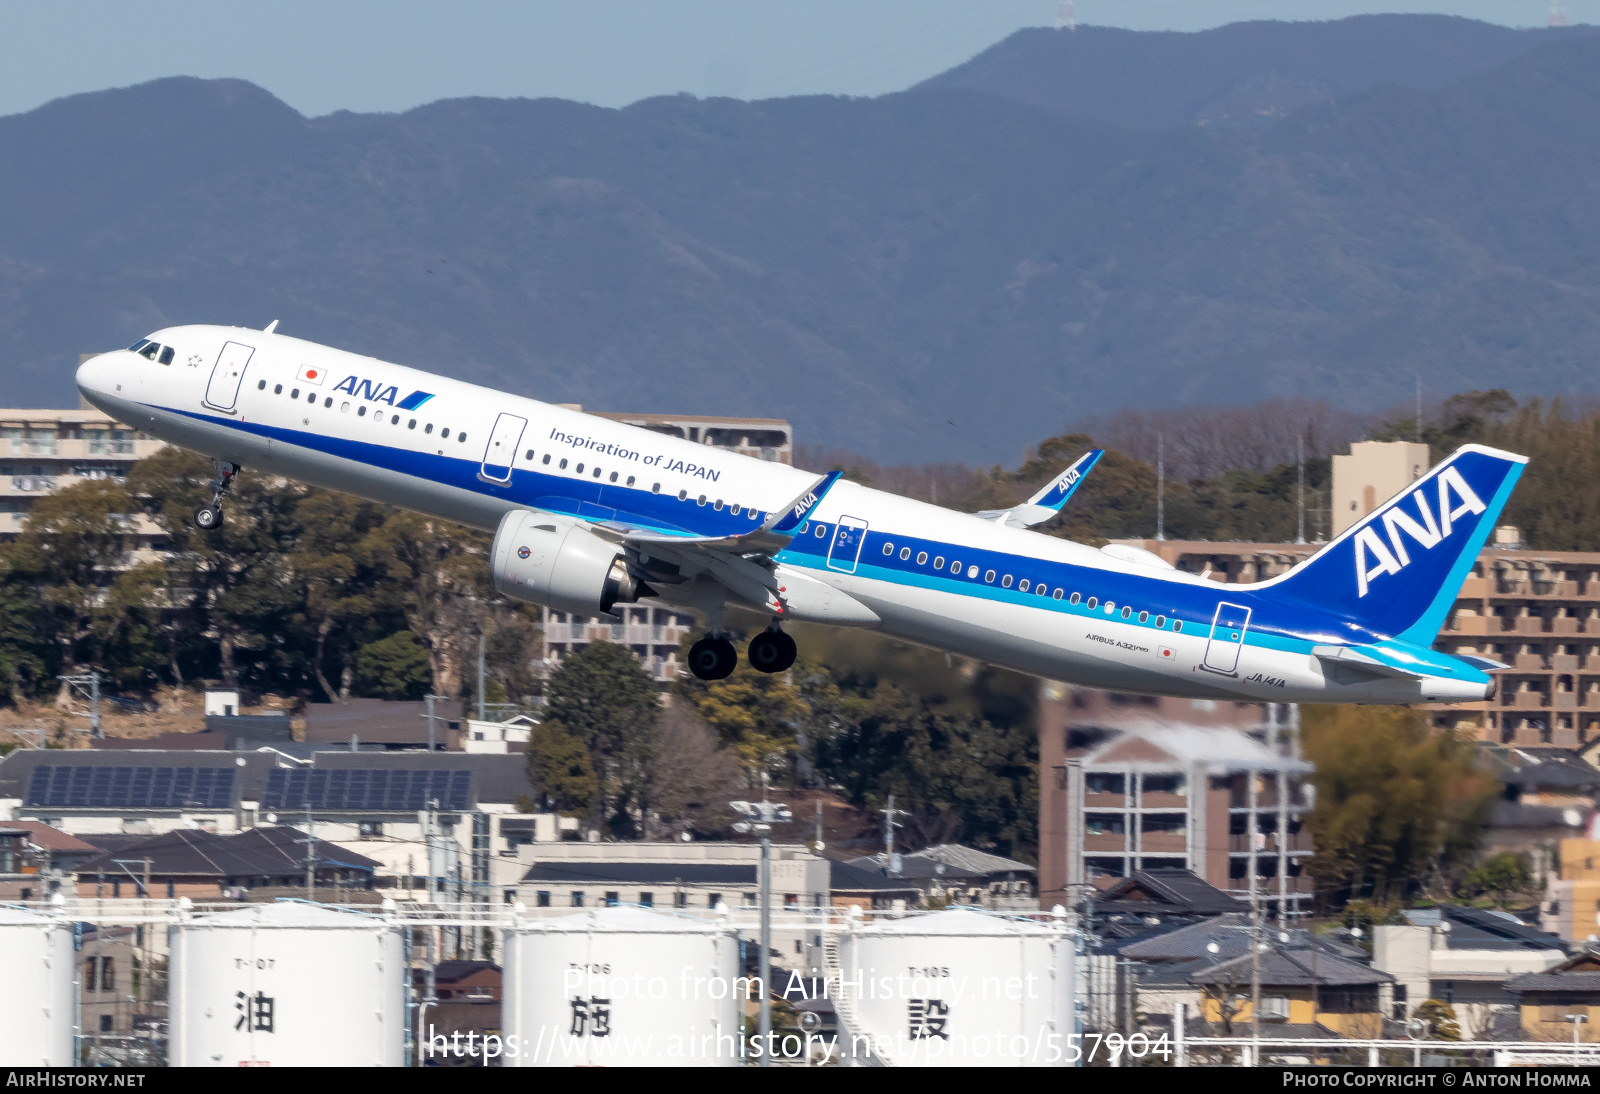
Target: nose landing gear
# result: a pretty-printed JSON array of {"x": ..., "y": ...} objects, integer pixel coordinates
[
  {"x": 771, "y": 651},
  {"x": 208, "y": 517},
  {"x": 713, "y": 658}
]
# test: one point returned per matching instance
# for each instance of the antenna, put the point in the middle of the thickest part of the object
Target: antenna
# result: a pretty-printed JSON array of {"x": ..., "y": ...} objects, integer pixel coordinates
[
  {"x": 1161, "y": 487},
  {"x": 1300, "y": 489},
  {"x": 1067, "y": 16},
  {"x": 889, "y": 825}
]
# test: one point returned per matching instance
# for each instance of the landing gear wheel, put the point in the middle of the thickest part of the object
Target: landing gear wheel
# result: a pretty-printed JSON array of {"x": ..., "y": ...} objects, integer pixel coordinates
[
  {"x": 713, "y": 659},
  {"x": 208, "y": 517},
  {"x": 771, "y": 651}
]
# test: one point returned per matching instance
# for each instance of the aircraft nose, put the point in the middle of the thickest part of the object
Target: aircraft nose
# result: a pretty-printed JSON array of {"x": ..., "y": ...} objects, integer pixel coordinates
[{"x": 95, "y": 374}]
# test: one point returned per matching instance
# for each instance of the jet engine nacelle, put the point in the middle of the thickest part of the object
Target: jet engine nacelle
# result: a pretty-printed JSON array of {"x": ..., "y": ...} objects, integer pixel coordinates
[{"x": 560, "y": 564}]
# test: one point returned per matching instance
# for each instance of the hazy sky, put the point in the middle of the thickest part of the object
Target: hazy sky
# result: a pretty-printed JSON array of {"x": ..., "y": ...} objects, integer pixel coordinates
[{"x": 367, "y": 55}]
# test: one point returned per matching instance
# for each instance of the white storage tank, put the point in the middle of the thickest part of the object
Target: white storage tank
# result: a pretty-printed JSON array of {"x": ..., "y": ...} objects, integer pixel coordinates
[
  {"x": 621, "y": 986},
  {"x": 36, "y": 1003},
  {"x": 287, "y": 985},
  {"x": 958, "y": 988}
]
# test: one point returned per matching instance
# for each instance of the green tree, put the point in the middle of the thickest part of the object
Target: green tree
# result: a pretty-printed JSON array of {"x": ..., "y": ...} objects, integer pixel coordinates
[
  {"x": 336, "y": 588},
  {"x": 602, "y": 696},
  {"x": 1501, "y": 876},
  {"x": 395, "y": 667},
  {"x": 560, "y": 769},
  {"x": 1438, "y": 1020},
  {"x": 1400, "y": 807}
]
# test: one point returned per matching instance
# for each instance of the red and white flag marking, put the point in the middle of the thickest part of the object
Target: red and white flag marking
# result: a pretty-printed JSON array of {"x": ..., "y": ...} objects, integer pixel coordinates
[{"x": 311, "y": 374}]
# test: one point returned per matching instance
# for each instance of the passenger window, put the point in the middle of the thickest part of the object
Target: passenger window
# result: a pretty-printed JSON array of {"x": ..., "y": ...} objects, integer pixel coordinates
[
  {"x": 735, "y": 509},
  {"x": 988, "y": 575},
  {"x": 1091, "y": 604},
  {"x": 938, "y": 563},
  {"x": 888, "y": 548},
  {"x": 717, "y": 505},
  {"x": 597, "y": 472},
  {"x": 629, "y": 482},
  {"x": 1144, "y": 617},
  {"x": 578, "y": 470},
  {"x": 394, "y": 419},
  {"x": 1177, "y": 624},
  {"x": 614, "y": 477},
  {"x": 428, "y": 428},
  {"x": 1058, "y": 594},
  {"x": 1073, "y": 599},
  {"x": 905, "y": 553},
  {"x": 654, "y": 489},
  {"x": 529, "y": 456},
  {"x": 562, "y": 465},
  {"x": 344, "y": 408},
  {"x": 295, "y": 394},
  {"x": 683, "y": 495},
  {"x": 1005, "y": 582},
  {"x": 821, "y": 531},
  {"x": 1161, "y": 621},
  {"x": 1126, "y": 612},
  {"x": 444, "y": 434},
  {"x": 326, "y": 402},
  {"x": 1022, "y": 586},
  {"x": 546, "y": 455},
  {"x": 922, "y": 558},
  {"x": 166, "y": 356},
  {"x": 701, "y": 500},
  {"x": 361, "y": 411},
  {"x": 461, "y": 438},
  {"x": 262, "y": 386},
  {"x": 412, "y": 424},
  {"x": 277, "y": 389}
]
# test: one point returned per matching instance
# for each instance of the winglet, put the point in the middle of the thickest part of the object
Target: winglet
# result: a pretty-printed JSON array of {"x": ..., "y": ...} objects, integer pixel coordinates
[
  {"x": 1048, "y": 502},
  {"x": 1064, "y": 485},
  {"x": 794, "y": 514}
]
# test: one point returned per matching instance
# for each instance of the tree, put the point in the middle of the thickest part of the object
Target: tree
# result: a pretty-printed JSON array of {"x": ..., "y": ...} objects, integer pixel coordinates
[
  {"x": 395, "y": 667},
  {"x": 602, "y": 696},
  {"x": 336, "y": 588},
  {"x": 1438, "y": 1020},
  {"x": 692, "y": 780},
  {"x": 1502, "y": 876},
  {"x": 1400, "y": 807},
  {"x": 757, "y": 714},
  {"x": 559, "y": 767}
]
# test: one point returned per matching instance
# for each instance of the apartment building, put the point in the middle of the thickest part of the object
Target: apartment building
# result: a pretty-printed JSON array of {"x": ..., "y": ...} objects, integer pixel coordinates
[
  {"x": 42, "y": 451},
  {"x": 1136, "y": 783},
  {"x": 769, "y": 439}
]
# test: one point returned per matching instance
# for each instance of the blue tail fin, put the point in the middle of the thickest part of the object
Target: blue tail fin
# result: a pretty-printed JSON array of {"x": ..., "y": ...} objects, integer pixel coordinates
[{"x": 1398, "y": 570}]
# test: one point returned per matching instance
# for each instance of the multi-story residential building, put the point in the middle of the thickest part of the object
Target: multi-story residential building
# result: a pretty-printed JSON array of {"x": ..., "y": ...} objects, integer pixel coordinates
[
  {"x": 1132, "y": 783},
  {"x": 42, "y": 451},
  {"x": 764, "y": 438}
]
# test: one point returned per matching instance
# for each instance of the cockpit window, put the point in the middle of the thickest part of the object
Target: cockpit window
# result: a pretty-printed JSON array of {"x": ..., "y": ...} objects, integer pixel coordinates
[
  {"x": 149, "y": 350},
  {"x": 166, "y": 355},
  {"x": 139, "y": 345}
]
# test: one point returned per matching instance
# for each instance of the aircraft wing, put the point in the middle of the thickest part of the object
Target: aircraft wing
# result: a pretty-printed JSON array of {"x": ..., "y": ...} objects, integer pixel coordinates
[
  {"x": 1048, "y": 501},
  {"x": 774, "y": 534}
]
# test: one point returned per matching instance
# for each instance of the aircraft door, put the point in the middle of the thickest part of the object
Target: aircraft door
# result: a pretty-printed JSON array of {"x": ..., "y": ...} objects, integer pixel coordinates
[
  {"x": 845, "y": 550},
  {"x": 1228, "y": 629},
  {"x": 502, "y": 450},
  {"x": 227, "y": 374}
]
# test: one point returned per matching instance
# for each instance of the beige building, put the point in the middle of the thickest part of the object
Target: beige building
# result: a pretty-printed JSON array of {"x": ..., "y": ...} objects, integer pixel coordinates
[
  {"x": 42, "y": 451},
  {"x": 769, "y": 439},
  {"x": 1370, "y": 475}
]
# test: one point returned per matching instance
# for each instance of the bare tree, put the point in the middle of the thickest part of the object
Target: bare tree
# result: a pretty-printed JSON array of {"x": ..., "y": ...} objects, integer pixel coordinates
[{"x": 692, "y": 779}]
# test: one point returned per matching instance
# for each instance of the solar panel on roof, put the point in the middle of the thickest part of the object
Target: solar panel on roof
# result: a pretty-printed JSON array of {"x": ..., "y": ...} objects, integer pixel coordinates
[
  {"x": 386, "y": 790},
  {"x": 131, "y": 787}
]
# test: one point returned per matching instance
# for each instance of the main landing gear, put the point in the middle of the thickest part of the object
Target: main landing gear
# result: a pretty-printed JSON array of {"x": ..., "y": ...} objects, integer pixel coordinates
[
  {"x": 714, "y": 658},
  {"x": 208, "y": 517}
]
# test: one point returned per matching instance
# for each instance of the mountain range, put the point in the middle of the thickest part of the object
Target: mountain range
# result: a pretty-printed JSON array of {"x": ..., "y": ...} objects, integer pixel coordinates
[{"x": 1071, "y": 222}]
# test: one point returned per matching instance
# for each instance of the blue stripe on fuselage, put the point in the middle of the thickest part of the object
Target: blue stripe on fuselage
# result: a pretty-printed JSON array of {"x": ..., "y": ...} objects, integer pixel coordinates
[{"x": 1191, "y": 604}]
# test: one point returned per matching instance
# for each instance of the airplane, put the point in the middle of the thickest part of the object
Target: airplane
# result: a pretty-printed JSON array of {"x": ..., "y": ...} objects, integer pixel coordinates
[{"x": 590, "y": 515}]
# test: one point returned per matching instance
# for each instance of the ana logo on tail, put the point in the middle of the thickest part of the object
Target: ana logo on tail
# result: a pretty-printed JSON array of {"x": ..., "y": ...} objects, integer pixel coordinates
[{"x": 1375, "y": 558}]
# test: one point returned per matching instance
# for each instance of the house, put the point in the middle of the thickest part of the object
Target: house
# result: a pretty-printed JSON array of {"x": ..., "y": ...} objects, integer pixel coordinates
[
  {"x": 1162, "y": 960},
  {"x": 1161, "y": 895},
  {"x": 1571, "y": 905},
  {"x": 1553, "y": 1002},
  {"x": 207, "y": 866},
  {"x": 396, "y": 726},
  {"x": 870, "y": 888},
  {"x": 1464, "y": 957},
  {"x": 1301, "y": 986},
  {"x": 468, "y": 995},
  {"x": 961, "y": 875},
  {"x": 36, "y": 859},
  {"x": 510, "y": 735},
  {"x": 1547, "y": 795}
]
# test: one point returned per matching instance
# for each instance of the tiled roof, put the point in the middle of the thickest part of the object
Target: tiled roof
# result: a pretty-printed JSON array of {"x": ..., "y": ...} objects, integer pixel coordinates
[
  {"x": 1555, "y": 981},
  {"x": 847, "y": 877},
  {"x": 1282, "y": 967},
  {"x": 641, "y": 873},
  {"x": 257, "y": 852},
  {"x": 1174, "y": 890},
  {"x": 43, "y": 835}
]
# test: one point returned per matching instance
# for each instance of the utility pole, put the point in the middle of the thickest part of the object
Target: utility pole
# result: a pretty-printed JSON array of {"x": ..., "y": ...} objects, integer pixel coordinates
[
  {"x": 889, "y": 825},
  {"x": 1300, "y": 489},
  {"x": 89, "y": 685},
  {"x": 481, "y": 715},
  {"x": 430, "y": 698},
  {"x": 311, "y": 857},
  {"x": 1255, "y": 978},
  {"x": 1161, "y": 487},
  {"x": 762, "y": 816}
]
